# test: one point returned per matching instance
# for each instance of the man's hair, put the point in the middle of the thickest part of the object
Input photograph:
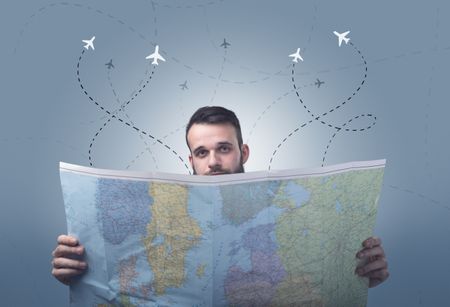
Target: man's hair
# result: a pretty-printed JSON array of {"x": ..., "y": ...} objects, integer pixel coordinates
[{"x": 215, "y": 115}]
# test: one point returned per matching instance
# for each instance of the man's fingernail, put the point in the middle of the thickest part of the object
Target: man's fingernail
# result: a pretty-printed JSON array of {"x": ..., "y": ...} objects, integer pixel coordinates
[{"x": 360, "y": 255}]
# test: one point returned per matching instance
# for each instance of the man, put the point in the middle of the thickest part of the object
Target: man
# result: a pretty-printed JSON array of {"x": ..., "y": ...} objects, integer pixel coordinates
[{"x": 214, "y": 138}]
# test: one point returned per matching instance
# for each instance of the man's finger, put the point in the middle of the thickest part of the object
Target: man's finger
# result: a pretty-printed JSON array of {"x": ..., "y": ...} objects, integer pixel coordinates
[
  {"x": 67, "y": 240},
  {"x": 377, "y": 277},
  {"x": 66, "y": 263},
  {"x": 376, "y": 251},
  {"x": 371, "y": 242},
  {"x": 372, "y": 266},
  {"x": 68, "y": 251},
  {"x": 65, "y": 275},
  {"x": 378, "y": 274}
]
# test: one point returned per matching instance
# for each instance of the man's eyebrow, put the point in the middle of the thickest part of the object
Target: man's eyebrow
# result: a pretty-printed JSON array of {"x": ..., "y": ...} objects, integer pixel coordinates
[
  {"x": 225, "y": 143},
  {"x": 196, "y": 150}
]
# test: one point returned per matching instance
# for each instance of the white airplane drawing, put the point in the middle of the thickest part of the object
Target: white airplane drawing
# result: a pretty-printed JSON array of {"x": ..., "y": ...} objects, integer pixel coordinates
[
  {"x": 225, "y": 44},
  {"x": 155, "y": 56},
  {"x": 342, "y": 37},
  {"x": 296, "y": 56},
  {"x": 89, "y": 43},
  {"x": 184, "y": 85}
]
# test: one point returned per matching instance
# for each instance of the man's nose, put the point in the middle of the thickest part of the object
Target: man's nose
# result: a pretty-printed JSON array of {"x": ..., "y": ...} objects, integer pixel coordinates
[{"x": 214, "y": 160}]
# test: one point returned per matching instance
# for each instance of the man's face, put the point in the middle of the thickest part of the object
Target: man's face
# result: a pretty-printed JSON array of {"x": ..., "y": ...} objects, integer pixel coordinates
[{"x": 215, "y": 150}]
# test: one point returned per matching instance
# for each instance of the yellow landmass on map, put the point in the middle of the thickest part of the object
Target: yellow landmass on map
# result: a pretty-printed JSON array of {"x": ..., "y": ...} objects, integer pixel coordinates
[{"x": 170, "y": 235}]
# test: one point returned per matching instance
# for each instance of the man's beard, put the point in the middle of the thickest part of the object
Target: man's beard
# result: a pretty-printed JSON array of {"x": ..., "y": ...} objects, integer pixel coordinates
[{"x": 239, "y": 169}]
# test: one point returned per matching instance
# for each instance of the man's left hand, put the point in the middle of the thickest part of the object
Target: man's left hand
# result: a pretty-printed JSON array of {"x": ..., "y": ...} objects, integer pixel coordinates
[{"x": 375, "y": 265}]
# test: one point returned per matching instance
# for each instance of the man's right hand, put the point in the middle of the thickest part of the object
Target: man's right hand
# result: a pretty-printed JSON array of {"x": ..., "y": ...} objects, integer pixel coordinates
[{"x": 67, "y": 261}]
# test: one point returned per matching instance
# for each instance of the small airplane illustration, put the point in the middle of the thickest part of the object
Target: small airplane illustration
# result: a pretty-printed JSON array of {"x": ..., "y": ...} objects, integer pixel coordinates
[
  {"x": 225, "y": 44},
  {"x": 89, "y": 43},
  {"x": 109, "y": 64},
  {"x": 342, "y": 37},
  {"x": 296, "y": 56},
  {"x": 156, "y": 56},
  {"x": 319, "y": 83},
  {"x": 184, "y": 85}
]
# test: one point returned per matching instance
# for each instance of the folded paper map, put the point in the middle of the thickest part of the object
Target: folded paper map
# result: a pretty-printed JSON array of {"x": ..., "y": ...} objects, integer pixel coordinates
[{"x": 271, "y": 238}]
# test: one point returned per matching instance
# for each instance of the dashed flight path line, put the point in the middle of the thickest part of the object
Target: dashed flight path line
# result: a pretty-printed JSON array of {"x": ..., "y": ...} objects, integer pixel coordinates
[
  {"x": 143, "y": 37},
  {"x": 420, "y": 195},
  {"x": 122, "y": 120},
  {"x": 219, "y": 77},
  {"x": 318, "y": 117},
  {"x": 188, "y": 6},
  {"x": 147, "y": 146},
  {"x": 274, "y": 102},
  {"x": 120, "y": 109},
  {"x": 353, "y": 130}
]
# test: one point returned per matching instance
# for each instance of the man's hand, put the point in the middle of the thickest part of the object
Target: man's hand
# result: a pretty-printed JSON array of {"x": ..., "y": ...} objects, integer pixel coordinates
[
  {"x": 66, "y": 263},
  {"x": 375, "y": 265}
]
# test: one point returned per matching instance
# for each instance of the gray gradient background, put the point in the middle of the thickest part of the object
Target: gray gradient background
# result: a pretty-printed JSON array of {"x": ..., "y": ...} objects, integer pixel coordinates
[{"x": 45, "y": 117}]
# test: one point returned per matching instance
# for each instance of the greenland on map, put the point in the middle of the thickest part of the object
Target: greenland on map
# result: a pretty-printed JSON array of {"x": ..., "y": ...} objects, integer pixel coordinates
[{"x": 272, "y": 238}]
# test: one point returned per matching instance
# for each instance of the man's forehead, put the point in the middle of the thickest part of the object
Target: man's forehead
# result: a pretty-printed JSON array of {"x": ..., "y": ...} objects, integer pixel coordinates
[{"x": 202, "y": 133}]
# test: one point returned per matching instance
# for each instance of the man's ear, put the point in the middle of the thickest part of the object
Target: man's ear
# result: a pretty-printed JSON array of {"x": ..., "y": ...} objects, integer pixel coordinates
[
  {"x": 190, "y": 161},
  {"x": 245, "y": 153}
]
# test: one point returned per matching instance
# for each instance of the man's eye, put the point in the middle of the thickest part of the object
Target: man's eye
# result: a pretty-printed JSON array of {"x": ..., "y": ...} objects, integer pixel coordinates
[
  {"x": 201, "y": 153},
  {"x": 224, "y": 149}
]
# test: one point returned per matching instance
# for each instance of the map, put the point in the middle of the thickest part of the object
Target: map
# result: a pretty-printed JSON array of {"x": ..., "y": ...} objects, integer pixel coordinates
[{"x": 271, "y": 238}]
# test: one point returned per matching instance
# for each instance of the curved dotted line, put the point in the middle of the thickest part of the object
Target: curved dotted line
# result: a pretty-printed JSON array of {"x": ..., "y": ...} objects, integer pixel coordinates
[
  {"x": 42, "y": 139},
  {"x": 154, "y": 18},
  {"x": 334, "y": 134},
  {"x": 270, "y": 106},
  {"x": 147, "y": 147},
  {"x": 281, "y": 71},
  {"x": 208, "y": 31},
  {"x": 93, "y": 140},
  {"x": 317, "y": 118},
  {"x": 132, "y": 29},
  {"x": 433, "y": 201},
  {"x": 219, "y": 77},
  {"x": 342, "y": 103},
  {"x": 142, "y": 152},
  {"x": 77, "y": 5},
  {"x": 143, "y": 37},
  {"x": 278, "y": 73},
  {"x": 163, "y": 138},
  {"x": 120, "y": 119},
  {"x": 200, "y": 5},
  {"x": 120, "y": 109},
  {"x": 311, "y": 30},
  {"x": 428, "y": 102}
]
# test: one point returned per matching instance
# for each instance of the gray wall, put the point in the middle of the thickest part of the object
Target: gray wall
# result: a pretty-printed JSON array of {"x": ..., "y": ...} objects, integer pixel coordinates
[{"x": 45, "y": 117}]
